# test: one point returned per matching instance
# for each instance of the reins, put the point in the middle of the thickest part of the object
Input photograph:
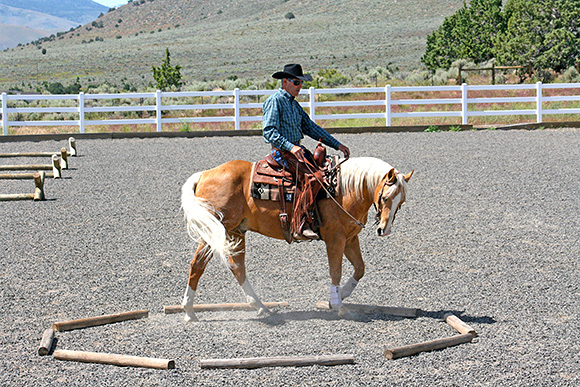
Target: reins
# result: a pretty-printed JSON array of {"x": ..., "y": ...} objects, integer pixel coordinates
[{"x": 358, "y": 222}]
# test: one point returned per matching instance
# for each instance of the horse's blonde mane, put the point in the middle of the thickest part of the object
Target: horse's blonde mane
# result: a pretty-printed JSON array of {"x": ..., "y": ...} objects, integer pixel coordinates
[{"x": 360, "y": 172}]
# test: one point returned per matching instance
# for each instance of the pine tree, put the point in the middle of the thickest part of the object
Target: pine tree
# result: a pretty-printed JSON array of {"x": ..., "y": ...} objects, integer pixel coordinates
[
  {"x": 469, "y": 34},
  {"x": 167, "y": 75},
  {"x": 545, "y": 33}
]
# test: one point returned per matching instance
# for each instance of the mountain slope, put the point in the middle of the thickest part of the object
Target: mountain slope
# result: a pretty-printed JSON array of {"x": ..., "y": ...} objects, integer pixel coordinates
[
  {"x": 41, "y": 18},
  {"x": 32, "y": 19},
  {"x": 218, "y": 39},
  {"x": 11, "y": 36},
  {"x": 78, "y": 11}
]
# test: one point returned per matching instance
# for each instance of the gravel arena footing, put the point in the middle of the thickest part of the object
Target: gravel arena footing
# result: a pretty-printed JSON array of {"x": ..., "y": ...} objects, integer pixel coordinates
[{"x": 490, "y": 232}]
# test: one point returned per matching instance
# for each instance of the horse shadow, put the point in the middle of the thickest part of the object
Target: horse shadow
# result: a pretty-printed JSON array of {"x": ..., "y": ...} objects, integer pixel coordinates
[{"x": 281, "y": 317}]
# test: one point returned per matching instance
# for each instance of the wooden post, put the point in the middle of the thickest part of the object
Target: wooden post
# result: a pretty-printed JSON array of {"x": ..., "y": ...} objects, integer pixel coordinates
[
  {"x": 114, "y": 359},
  {"x": 56, "y": 167},
  {"x": 361, "y": 308},
  {"x": 39, "y": 185},
  {"x": 459, "y": 325},
  {"x": 169, "y": 309},
  {"x": 459, "y": 78},
  {"x": 46, "y": 342},
  {"x": 426, "y": 346},
  {"x": 99, "y": 320},
  {"x": 281, "y": 361},
  {"x": 63, "y": 159},
  {"x": 493, "y": 73},
  {"x": 72, "y": 146}
]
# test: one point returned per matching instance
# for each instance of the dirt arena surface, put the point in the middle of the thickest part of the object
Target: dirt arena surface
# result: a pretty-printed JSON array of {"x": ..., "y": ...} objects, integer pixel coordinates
[{"x": 490, "y": 232}]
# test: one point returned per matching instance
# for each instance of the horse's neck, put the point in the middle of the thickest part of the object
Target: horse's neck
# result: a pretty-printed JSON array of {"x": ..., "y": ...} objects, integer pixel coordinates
[{"x": 357, "y": 204}]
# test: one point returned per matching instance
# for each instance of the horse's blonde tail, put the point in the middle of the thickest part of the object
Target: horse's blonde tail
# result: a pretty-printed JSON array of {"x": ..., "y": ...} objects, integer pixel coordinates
[{"x": 204, "y": 222}]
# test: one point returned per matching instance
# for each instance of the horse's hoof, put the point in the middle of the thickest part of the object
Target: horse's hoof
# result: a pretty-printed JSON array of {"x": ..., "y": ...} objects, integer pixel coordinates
[
  {"x": 344, "y": 313},
  {"x": 264, "y": 311},
  {"x": 190, "y": 317}
]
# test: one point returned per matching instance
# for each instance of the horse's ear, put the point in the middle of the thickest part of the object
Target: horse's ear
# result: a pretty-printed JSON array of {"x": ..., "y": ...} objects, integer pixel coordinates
[
  {"x": 391, "y": 177},
  {"x": 407, "y": 177}
]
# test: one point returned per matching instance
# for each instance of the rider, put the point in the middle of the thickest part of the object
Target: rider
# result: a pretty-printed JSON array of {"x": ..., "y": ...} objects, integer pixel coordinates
[{"x": 284, "y": 124}]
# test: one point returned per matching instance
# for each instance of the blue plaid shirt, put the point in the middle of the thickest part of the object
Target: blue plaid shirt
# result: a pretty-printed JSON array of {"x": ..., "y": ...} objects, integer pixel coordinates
[{"x": 284, "y": 123}]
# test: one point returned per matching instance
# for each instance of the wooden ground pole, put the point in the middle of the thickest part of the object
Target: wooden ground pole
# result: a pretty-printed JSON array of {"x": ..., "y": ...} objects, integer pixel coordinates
[
  {"x": 362, "y": 308},
  {"x": 281, "y": 361},
  {"x": 413, "y": 349},
  {"x": 99, "y": 320},
  {"x": 169, "y": 309},
  {"x": 114, "y": 359}
]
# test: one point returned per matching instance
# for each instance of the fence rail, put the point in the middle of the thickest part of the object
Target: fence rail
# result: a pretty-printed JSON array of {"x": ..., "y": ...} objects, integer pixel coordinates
[{"x": 234, "y": 103}]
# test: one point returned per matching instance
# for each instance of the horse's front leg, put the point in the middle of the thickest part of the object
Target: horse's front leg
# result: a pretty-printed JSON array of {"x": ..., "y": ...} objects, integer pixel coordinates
[
  {"x": 237, "y": 263},
  {"x": 335, "y": 250},
  {"x": 354, "y": 255}
]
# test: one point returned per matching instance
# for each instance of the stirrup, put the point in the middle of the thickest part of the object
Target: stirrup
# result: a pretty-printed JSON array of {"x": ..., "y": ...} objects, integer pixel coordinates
[{"x": 309, "y": 234}]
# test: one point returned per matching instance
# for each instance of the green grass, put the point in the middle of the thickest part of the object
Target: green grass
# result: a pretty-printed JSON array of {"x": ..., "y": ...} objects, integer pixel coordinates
[{"x": 433, "y": 129}]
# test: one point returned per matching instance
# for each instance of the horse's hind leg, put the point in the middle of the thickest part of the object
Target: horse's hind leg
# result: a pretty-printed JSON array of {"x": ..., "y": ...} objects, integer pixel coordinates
[
  {"x": 197, "y": 267},
  {"x": 237, "y": 263}
]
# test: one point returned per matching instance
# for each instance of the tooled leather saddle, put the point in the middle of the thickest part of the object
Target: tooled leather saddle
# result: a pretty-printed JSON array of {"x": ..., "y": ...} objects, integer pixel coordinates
[{"x": 271, "y": 181}]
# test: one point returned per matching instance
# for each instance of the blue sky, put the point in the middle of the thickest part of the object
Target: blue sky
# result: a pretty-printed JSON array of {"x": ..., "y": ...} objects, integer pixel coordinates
[{"x": 111, "y": 3}]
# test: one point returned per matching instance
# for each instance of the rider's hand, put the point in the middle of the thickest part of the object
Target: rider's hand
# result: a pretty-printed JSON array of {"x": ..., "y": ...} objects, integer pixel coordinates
[
  {"x": 344, "y": 149},
  {"x": 299, "y": 153}
]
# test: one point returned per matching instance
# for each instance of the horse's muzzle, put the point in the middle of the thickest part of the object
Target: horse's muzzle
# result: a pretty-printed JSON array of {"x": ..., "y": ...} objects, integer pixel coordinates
[{"x": 382, "y": 232}]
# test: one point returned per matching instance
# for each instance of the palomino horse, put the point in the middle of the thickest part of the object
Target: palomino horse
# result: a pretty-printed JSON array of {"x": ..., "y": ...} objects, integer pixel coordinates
[{"x": 219, "y": 210}]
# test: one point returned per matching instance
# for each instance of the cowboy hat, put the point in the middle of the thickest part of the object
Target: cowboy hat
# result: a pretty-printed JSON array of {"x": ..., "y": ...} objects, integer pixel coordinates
[{"x": 292, "y": 71}]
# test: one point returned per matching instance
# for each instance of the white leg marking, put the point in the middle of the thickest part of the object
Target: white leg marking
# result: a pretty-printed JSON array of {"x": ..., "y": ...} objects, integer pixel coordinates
[
  {"x": 348, "y": 287},
  {"x": 187, "y": 304},
  {"x": 253, "y": 299},
  {"x": 335, "y": 300}
]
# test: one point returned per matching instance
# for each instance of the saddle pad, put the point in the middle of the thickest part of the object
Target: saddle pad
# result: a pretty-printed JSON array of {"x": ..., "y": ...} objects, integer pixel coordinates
[{"x": 271, "y": 192}]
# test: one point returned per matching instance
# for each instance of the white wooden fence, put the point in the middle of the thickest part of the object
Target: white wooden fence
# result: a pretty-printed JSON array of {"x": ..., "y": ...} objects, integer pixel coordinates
[{"x": 83, "y": 106}]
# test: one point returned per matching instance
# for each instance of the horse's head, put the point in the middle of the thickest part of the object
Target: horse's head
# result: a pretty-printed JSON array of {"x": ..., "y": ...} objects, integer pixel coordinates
[{"x": 390, "y": 194}]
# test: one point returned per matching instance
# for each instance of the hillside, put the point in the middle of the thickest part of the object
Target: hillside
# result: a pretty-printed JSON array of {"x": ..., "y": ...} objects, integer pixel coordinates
[
  {"x": 77, "y": 11},
  {"x": 11, "y": 35},
  {"x": 42, "y": 18},
  {"x": 218, "y": 39}
]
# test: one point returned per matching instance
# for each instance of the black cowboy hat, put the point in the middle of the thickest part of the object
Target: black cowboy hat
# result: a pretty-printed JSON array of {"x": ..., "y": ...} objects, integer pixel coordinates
[{"x": 292, "y": 71}]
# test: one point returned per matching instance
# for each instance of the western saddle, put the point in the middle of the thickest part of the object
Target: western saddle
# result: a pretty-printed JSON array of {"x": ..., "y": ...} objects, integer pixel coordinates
[{"x": 272, "y": 181}]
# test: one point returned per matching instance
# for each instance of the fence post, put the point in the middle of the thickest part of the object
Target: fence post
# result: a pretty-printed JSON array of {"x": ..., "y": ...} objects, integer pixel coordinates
[
  {"x": 82, "y": 112},
  {"x": 539, "y": 102},
  {"x": 237, "y": 108},
  {"x": 388, "y": 105},
  {"x": 312, "y": 95},
  {"x": 4, "y": 114},
  {"x": 158, "y": 109},
  {"x": 464, "y": 103}
]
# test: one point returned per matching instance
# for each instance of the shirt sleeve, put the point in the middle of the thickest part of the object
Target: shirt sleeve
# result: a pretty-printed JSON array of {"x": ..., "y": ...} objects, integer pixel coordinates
[
  {"x": 271, "y": 125},
  {"x": 310, "y": 128}
]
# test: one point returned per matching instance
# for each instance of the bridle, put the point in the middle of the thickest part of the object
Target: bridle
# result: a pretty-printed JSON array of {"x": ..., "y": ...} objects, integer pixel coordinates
[{"x": 377, "y": 204}]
